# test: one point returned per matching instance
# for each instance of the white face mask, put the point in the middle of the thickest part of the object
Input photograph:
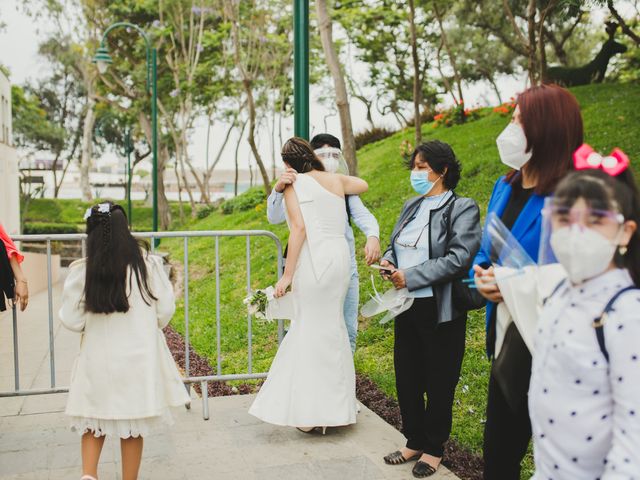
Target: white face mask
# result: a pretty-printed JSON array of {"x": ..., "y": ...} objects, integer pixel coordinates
[
  {"x": 512, "y": 144},
  {"x": 583, "y": 252},
  {"x": 332, "y": 160}
]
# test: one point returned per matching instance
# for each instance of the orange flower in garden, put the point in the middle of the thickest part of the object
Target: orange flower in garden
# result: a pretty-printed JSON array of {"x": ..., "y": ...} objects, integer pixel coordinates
[{"x": 438, "y": 117}]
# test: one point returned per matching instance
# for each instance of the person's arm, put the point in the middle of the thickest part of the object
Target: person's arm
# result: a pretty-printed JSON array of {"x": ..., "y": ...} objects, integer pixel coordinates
[
  {"x": 621, "y": 334},
  {"x": 368, "y": 224},
  {"x": 275, "y": 208},
  {"x": 353, "y": 185},
  {"x": 297, "y": 235},
  {"x": 72, "y": 314},
  {"x": 21, "y": 289},
  {"x": 464, "y": 241},
  {"x": 12, "y": 250},
  {"x": 162, "y": 289}
]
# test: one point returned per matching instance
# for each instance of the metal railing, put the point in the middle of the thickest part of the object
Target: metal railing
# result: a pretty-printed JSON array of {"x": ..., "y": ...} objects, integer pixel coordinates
[{"x": 188, "y": 379}]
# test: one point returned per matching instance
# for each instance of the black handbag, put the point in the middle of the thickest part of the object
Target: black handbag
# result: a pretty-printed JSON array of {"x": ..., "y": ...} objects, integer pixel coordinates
[{"x": 464, "y": 297}]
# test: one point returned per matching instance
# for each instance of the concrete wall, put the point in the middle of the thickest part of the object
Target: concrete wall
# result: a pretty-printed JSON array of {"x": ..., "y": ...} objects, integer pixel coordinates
[{"x": 9, "y": 189}]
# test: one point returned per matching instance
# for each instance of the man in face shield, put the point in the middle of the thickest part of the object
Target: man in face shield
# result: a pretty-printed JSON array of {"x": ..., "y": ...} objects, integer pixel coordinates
[{"x": 327, "y": 148}]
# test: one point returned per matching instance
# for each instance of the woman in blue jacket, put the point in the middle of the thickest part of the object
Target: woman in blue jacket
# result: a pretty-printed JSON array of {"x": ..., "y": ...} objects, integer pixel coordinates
[{"x": 538, "y": 144}]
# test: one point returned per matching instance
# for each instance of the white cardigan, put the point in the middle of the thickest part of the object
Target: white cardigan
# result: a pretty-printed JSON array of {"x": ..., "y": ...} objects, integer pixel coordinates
[{"x": 124, "y": 369}]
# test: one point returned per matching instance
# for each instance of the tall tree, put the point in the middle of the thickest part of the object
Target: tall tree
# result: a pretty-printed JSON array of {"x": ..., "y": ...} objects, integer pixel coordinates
[
  {"x": 342, "y": 97},
  {"x": 379, "y": 31},
  {"x": 256, "y": 46},
  {"x": 417, "y": 90}
]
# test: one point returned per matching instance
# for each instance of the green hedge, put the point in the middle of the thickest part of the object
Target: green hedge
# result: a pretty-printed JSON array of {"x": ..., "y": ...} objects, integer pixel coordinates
[
  {"x": 42, "y": 228},
  {"x": 247, "y": 201}
]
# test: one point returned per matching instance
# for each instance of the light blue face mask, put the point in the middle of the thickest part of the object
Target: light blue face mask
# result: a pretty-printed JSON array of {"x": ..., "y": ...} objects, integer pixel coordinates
[{"x": 421, "y": 183}]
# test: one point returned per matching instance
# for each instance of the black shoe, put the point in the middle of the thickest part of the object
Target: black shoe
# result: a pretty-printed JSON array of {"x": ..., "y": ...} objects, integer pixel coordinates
[
  {"x": 422, "y": 470},
  {"x": 396, "y": 458}
]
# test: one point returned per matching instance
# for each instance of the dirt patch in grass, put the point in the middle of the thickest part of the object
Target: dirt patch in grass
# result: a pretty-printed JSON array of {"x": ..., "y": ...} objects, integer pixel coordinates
[{"x": 199, "y": 366}]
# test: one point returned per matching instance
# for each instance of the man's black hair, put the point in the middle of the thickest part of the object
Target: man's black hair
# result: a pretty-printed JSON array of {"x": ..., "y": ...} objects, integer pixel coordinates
[{"x": 323, "y": 139}]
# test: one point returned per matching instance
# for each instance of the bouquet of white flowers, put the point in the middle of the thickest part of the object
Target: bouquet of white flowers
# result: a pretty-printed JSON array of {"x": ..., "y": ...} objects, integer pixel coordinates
[{"x": 258, "y": 302}]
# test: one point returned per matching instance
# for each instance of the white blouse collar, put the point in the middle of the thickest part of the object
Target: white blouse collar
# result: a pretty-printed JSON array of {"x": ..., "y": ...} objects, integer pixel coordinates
[{"x": 607, "y": 283}]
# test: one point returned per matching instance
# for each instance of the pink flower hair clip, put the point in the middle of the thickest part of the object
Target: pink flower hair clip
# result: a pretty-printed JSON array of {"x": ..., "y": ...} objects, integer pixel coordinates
[{"x": 614, "y": 164}]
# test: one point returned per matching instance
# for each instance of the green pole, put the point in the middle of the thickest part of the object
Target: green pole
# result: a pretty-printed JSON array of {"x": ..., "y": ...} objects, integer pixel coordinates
[
  {"x": 154, "y": 135},
  {"x": 129, "y": 148},
  {"x": 301, "y": 68}
]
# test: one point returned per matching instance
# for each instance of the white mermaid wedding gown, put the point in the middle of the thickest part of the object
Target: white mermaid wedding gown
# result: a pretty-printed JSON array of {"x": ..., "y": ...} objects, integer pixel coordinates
[{"x": 312, "y": 378}]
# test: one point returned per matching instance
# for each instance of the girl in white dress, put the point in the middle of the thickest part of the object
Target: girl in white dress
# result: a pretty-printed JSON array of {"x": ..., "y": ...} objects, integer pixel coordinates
[
  {"x": 311, "y": 382},
  {"x": 584, "y": 396},
  {"x": 124, "y": 379}
]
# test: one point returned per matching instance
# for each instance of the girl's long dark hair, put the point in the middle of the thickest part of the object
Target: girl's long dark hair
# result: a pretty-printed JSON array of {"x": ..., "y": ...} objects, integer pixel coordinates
[
  {"x": 111, "y": 250},
  {"x": 604, "y": 192},
  {"x": 297, "y": 153}
]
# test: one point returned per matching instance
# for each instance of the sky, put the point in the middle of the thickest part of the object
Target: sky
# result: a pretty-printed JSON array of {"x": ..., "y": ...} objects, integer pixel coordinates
[{"x": 18, "y": 51}]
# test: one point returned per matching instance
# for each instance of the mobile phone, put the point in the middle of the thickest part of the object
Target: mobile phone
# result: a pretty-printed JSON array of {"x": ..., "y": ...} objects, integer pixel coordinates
[{"x": 384, "y": 270}]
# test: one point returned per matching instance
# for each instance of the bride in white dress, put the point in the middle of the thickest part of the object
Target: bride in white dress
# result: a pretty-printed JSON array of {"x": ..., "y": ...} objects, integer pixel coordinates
[{"x": 311, "y": 382}]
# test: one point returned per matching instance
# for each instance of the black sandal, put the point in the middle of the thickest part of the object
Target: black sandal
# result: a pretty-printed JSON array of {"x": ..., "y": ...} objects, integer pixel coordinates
[
  {"x": 423, "y": 470},
  {"x": 396, "y": 458}
]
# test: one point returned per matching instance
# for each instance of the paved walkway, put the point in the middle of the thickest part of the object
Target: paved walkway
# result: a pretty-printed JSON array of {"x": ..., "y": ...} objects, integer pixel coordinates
[{"x": 35, "y": 443}]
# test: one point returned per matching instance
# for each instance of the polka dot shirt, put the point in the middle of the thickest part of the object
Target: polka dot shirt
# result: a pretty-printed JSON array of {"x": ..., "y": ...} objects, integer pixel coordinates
[{"x": 585, "y": 411}]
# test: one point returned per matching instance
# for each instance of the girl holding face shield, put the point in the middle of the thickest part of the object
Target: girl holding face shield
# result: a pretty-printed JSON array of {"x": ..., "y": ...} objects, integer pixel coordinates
[{"x": 584, "y": 396}]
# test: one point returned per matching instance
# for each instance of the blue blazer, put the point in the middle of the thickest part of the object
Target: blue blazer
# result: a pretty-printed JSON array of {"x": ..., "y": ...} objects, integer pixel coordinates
[{"x": 526, "y": 229}]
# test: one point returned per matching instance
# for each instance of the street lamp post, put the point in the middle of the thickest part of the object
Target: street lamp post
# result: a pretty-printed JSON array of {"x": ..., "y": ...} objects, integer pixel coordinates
[
  {"x": 301, "y": 68},
  {"x": 102, "y": 59}
]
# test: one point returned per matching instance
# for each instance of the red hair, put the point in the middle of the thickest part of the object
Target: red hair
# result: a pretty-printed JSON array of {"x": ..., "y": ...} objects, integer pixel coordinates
[{"x": 551, "y": 120}]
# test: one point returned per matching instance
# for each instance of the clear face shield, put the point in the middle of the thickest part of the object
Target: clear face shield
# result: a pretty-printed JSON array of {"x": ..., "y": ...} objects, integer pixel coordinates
[
  {"x": 332, "y": 160},
  {"x": 577, "y": 223}
]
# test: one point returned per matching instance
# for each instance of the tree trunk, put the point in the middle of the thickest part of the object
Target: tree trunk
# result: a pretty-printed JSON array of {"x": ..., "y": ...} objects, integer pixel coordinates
[
  {"x": 208, "y": 174},
  {"x": 342, "y": 98},
  {"x": 180, "y": 206},
  {"x": 495, "y": 87},
  {"x": 273, "y": 144},
  {"x": 417, "y": 90},
  {"x": 623, "y": 25},
  {"x": 531, "y": 27},
  {"x": 452, "y": 57},
  {"x": 251, "y": 137},
  {"x": 164, "y": 212},
  {"x": 235, "y": 182},
  {"x": 87, "y": 150}
]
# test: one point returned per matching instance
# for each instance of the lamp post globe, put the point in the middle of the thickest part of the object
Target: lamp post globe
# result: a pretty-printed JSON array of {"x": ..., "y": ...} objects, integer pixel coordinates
[{"x": 102, "y": 59}]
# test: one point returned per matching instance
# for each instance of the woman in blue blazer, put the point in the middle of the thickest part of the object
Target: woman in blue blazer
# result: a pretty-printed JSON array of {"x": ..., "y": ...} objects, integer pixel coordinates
[{"x": 538, "y": 144}]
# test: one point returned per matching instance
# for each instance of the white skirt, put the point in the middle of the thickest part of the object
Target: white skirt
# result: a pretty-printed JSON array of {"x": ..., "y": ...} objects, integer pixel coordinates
[{"x": 123, "y": 428}]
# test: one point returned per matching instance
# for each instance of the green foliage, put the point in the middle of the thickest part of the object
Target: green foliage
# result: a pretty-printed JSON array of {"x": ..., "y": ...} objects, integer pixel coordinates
[
  {"x": 456, "y": 115},
  {"x": 374, "y": 134},
  {"x": 205, "y": 211},
  {"x": 32, "y": 126},
  {"x": 71, "y": 211},
  {"x": 611, "y": 113},
  {"x": 49, "y": 228},
  {"x": 252, "y": 199}
]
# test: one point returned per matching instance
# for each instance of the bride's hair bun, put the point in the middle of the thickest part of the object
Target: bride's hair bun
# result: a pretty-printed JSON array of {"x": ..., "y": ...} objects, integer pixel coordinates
[{"x": 297, "y": 153}]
